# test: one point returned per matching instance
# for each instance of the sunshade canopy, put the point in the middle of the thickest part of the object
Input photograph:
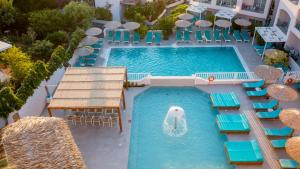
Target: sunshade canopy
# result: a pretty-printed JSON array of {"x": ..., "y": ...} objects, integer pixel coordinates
[
  {"x": 242, "y": 22},
  {"x": 94, "y": 31},
  {"x": 183, "y": 23},
  {"x": 203, "y": 23},
  {"x": 131, "y": 25},
  {"x": 227, "y": 14},
  {"x": 223, "y": 23},
  {"x": 291, "y": 117},
  {"x": 84, "y": 51},
  {"x": 268, "y": 73},
  {"x": 282, "y": 92},
  {"x": 89, "y": 40},
  {"x": 197, "y": 9},
  {"x": 185, "y": 16},
  {"x": 271, "y": 34},
  {"x": 292, "y": 147},
  {"x": 113, "y": 25}
]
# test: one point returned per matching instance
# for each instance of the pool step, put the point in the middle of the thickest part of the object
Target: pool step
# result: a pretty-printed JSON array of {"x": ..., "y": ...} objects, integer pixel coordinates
[{"x": 172, "y": 81}]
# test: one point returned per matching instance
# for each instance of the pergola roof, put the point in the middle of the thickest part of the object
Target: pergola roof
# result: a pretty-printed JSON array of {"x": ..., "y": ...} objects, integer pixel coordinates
[
  {"x": 227, "y": 14},
  {"x": 4, "y": 46},
  {"x": 82, "y": 87},
  {"x": 197, "y": 9},
  {"x": 271, "y": 34}
]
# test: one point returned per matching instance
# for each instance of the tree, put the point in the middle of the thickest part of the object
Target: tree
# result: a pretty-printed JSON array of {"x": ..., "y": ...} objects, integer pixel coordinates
[
  {"x": 76, "y": 37},
  {"x": 77, "y": 15},
  {"x": 103, "y": 14},
  {"x": 58, "y": 38},
  {"x": 165, "y": 24},
  {"x": 18, "y": 62},
  {"x": 33, "y": 5},
  {"x": 41, "y": 49},
  {"x": 46, "y": 21},
  {"x": 9, "y": 102},
  {"x": 7, "y": 13},
  {"x": 57, "y": 60}
]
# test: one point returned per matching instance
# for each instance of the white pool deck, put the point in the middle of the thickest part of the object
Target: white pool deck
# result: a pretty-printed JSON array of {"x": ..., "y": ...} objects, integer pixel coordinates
[{"x": 106, "y": 148}]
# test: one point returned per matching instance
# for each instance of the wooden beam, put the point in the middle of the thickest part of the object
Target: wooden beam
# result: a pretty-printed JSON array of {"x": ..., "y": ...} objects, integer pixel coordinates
[
  {"x": 49, "y": 112},
  {"x": 123, "y": 98},
  {"x": 126, "y": 77},
  {"x": 120, "y": 120}
]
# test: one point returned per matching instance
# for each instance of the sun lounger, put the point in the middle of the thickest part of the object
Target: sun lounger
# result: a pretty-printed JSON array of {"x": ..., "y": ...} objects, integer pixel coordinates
[
  {"x": 207, "y": 36},
  {"x": 278, "y": 143},
  {"x": 269, "y": 115},
  {"x": 217, "y": 36},
  {"x": 90, "y": 62},
  {"x": 190, "y": 29},
  {"x": 136, "y": 37},
  {"x": 80, "y": 62},
  {"x": 126, "y": 38},
  {"x": 297, "y": 86},
  {"x": 97, "y": 45},
  {"x": 225, "y": 100},
  {"x": 257, "y": 93},
  {"x": 186, "y": 37},
  {"x": 157, "y": 37},
  {"x": 199, "y": 36},
  {"x": 265, "y": 105},
  {"x": 233, "y": 123},
  {"x": 226, "y": 36},
  {"x": 243, "y": 152},
  {"x": 279, "y": 132},
  {"x": 149, "y": 37},
  {"x": 117, "y": 37},
  {"x": 110, "y": 36},
  {"x": 245, "y": 36},
  {"x": 288, "y": 164},
  {"x": 253, "y": 85},
  {"x": 179, "y": 36},
  {"x": 237, "y": 36}
]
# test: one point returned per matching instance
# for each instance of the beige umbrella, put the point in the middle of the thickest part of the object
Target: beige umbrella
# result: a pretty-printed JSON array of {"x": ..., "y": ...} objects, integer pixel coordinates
[
  {"x": 223, "y": 23},
  {"x": 94, "y": 31},
  {"x": 112, "y": 25},
  {"x": 242, "y": 22},
  {"x": 183, "y": 23},
  {"x": 89, "y": 40},
  {"x": 282, "y": 92},
  {"x": 185, "y": 16},
  {"x": 131, "y": 25},
  {"x": 291, "y": 118},
  {"x": 292, "y": 147},
  {"x": 203, "y": 23},
  {"x": 84, "y": 51},
  {"x": 268, "y": 73},
  {"x": 275, "y": 53}
]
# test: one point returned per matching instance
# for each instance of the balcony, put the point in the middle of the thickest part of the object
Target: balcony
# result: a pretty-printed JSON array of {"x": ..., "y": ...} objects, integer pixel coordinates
[
  {"x": 257, "y": 6},
  {"x": 227, "y": 3},
  {"x": 204, "y": 1}
]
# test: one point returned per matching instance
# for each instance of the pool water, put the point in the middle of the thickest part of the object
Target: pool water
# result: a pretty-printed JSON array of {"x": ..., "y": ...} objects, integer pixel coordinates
[
  {"x": 176, "y": 61},
  {"x": 200, "y": 148}
]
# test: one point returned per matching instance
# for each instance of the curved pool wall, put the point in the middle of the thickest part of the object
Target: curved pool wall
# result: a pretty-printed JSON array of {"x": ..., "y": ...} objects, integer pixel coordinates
[
  {"x": 200, "y": 148},
  {"x": 176, "y": 61}
]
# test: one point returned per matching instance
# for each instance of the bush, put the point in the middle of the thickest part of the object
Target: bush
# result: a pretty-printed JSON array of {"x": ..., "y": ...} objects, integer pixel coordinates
[
  {"x": 41, "y": 49},
  {"x": 179, "y": 9},
  {"x": 142, "y": 31},
  {"x": 139, "y": 18},
  {"x": 7, "y": 13},
  {"x": 57, "y": 60},
  {"x": 165, "y": 24},
  {"x": 210, "y": 16},
  {"x": 33, "y": 5},
  {"x": 76, "y": 37},
  {"x": 280, "y": 58},
  {"x": 103, "y": 14},
  {"x": 58, "y": 38}
]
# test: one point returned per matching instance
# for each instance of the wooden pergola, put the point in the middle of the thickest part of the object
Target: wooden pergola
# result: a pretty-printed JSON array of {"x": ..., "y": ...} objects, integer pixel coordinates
[{"x": 91, "y": 88}]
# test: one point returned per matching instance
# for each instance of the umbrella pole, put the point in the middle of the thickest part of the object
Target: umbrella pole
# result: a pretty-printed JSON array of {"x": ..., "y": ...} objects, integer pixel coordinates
[
  {"x": 263, "y": 54},
  {"x": 253, "y": 37}
]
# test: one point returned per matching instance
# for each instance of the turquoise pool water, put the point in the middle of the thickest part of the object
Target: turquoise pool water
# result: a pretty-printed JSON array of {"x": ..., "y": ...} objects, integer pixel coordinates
[
  {"x": 200, "y": 148},
  {"x": 176, "y": 61}
]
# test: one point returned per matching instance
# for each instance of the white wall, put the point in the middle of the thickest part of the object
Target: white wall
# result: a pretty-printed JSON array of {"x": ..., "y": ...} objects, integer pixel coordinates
[{"x": 115, "y": 7}]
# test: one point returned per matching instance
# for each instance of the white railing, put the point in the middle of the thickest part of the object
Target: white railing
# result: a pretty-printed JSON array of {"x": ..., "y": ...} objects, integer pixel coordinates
[
  {"x": 137, "y": 76},
  {"x": 238, "y": 76}
]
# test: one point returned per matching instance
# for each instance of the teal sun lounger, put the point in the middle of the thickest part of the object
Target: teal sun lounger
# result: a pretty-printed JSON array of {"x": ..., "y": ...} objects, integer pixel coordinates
[
  {"x": 217, "y": 36},
  {"x": 237, "y": 36},
  {"x": 243, "y": 152},
  {"x": 136, "y": 38},
  {"x": 288, "y": 164},
  {"x": 225, "y": 100},
  {"x": 149, "y": 37},
  {"x": 117, "y": 37},
  {"x": 257, "y": 93},
  {"x": 253, "y": 85},
  {"x": 179, "y": 36},
  {"x": 199, "y": 36},
  {"x": 245, "y": 36},
  {"x": 126, "y": 38},
  {"x": 279, "y": 132},
  {"x": 269, "y": 115},
  {"x": 226, "y": 36},
  {"x": 186, "y": 35},
  {"x": 157, "y": 37},
  {"x": 233, "y": 123},
  {"x": 110, "y": 36},
  {"x": 278, "y": 143},
  {"x": 265, "y": 105},
  {"x": 207, "y": 36}
]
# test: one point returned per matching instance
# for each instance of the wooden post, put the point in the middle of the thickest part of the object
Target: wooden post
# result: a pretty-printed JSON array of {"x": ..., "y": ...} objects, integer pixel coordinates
[
  {"x": 120, "y": 120},
  {"x": 123, "y": 97},
  {"x": 49, "y": 112},
  {"x": 126, "y": 77}
]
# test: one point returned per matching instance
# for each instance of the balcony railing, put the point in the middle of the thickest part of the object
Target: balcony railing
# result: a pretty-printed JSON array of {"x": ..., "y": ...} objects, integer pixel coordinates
[
  {"x": 227, "y": 3},
  {"x": 257, "y": 6}
]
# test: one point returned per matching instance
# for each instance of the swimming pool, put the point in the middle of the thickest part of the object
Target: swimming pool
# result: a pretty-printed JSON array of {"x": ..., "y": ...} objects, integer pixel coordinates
[
  {"x": 151, "y": 148},
  {"x": 176, "y": 61}
]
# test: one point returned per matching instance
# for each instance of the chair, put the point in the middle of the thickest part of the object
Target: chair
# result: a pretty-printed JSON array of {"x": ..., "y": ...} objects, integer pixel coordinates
[
  {"x": 149, "y": 37},
  {"x": 288, "y": 163},
  {"x": 207, "y": 36},
  {"x": 186, "y": 35},
  {"x": 110, "y": 36},
  {"x": 178, "y": 36},
  {"x": 253, "y": 85},
  {"x": 265, "y": 105},
  {"x": 233, "y": 123},
  {"x": 126, "y": 38},
  {"x": 243, "y": 152},
  {"x": 70, "y": 118},
  {"x": 226, "y": 36},
  {"x": 257, "y": 93},
  {"x": 157, "y": 37},
  {"x": 117, "y": 36},
  {"x": 225, "y": 100},
  {"x": 199, "y": 36},
  {"x": 278, "y": 143},
  {"x": 272, "y": 115},
  {"x": 89, "y": 120},
  {"x": 98, "y": 120},
  {"x": 136, "y": 38},
  {"x": 78, "y": 119},
  {"x": 237, "y": 36},
  {"x": 245, "y": 36},
  {"x": 107, "y": 121},
  {"x": 279, "y": 132},
  {"x": 217, "y": 36}
]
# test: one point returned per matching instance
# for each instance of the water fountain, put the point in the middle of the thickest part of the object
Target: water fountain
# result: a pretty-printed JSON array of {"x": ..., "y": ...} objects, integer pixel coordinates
[{"x": 175, "y": 122}]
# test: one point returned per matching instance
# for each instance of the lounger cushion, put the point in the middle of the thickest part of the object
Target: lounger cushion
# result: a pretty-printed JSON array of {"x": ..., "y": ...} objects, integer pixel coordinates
[
  {"x": 288, "y": 163},
  {"x": 269, "y": 115},
  {"x": 254, "y": 84},
  {"x": 233, "y": 123},
  {"x": 223, "y": 100},
  {"x": 265, "y": 105},
  {"x": 278, "y": 143},
  {"x": 258, "y": 93},
  {"x": 284, "y": 132}
]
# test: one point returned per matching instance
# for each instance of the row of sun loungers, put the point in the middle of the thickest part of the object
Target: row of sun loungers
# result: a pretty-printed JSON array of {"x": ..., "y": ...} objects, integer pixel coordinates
[
  {"x": 116, "y": 36},
  {"x": 153, "y": 35},
  {"x": 90, "y": 60}
]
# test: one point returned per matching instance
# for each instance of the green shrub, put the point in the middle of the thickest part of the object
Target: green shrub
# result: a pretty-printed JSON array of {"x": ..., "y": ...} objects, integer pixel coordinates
[
  {"x": 7, "y": 13},
  {"x": 29, "y": 37},
  {"x": 165, "y": 24},
  {"x": 76, "y": 37},
  {"x": 57, "y": 59},
  {"x": 139, "y": 18},
  {"x": 41, "y": 49},
  {"x": 142, "y": 31},
  {"x": 210, "y": 16},
  {"x": 103, "y": 14},
  {"x": 178, "y": 10},
  {"x": 130, "y": 12},
  {"x": 58, "y": 38},
  {"x": 280, "y": 58}
]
